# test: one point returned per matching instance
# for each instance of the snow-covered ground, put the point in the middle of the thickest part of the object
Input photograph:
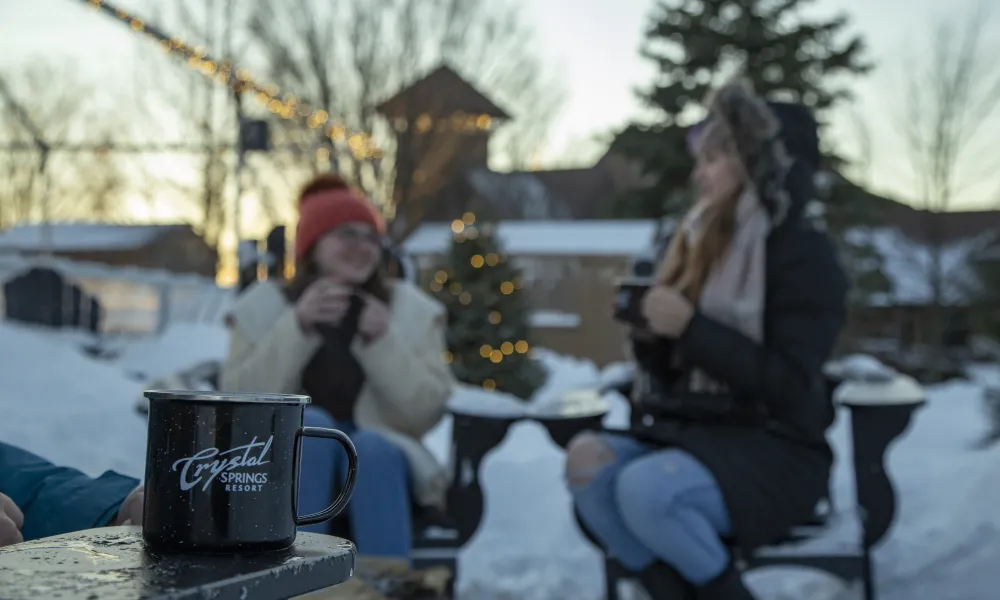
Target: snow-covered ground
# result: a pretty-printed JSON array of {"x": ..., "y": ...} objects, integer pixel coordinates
[{"x": 78, "y": 411}]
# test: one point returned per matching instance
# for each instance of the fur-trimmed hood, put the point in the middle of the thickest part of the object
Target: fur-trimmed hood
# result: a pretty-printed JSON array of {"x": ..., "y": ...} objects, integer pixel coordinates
[{"x": 778, "y": 144}]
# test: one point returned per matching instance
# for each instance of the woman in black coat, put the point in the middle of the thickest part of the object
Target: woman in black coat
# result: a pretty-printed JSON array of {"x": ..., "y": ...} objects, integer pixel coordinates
[{"x": 729, "y": 407}]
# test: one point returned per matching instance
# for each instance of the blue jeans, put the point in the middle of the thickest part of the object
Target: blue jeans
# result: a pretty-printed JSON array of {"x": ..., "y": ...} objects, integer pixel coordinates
[
  {"x": 379, "y": 511},
  {"x": 650, "y": 504}
]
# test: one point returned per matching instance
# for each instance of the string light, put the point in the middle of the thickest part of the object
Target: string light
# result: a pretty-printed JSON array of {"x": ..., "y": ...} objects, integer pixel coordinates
[
  {"x": 497, "y": 355},
  {"x": 424, "y": 123},
  {"x": 464, "y": 228},
  {"x": 225, "y": 72},
  {"x": 448, "y": 358}
]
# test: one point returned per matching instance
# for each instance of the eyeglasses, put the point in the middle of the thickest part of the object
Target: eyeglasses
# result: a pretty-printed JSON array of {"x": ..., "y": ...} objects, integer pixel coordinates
[{"x": 354, "y": 236}]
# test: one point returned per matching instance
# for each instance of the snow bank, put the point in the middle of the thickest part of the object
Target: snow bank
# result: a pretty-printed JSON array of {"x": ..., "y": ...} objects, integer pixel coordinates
[
  {"x": 80, "y": 237},
  {"x": 180, "y": 347},
  {"x": 548, "y": 238},
  {"x": 907, "y": 264},
  {"x": 860, "y": 367},
  {"x": 529, "y": 547},
  {"x": 985, "y": 374},
  {"x": 71, "y": 409},
  {"x": 554, "y": 319},
  {"x": 565, "y": 373}
]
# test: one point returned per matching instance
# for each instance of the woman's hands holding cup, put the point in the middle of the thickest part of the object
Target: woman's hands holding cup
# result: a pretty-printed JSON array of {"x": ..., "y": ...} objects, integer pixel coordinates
[
  {"x": 667, "y": 311},
  {"x": 323, "y": 303},
  {"x": 326, "y": 303}
]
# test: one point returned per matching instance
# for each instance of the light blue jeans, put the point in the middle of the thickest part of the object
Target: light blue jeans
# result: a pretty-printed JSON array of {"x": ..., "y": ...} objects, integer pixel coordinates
[
  {"x": 649, "y": 504},
  {"x": 379, "y": 511}
]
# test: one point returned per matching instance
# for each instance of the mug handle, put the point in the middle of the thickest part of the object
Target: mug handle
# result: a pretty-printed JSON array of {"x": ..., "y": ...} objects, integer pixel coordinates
[{"x": 352, "y": 474}]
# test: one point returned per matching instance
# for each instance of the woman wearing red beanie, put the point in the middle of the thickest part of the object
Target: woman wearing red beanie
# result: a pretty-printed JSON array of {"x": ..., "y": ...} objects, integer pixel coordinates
[{"x": 366, "y": 349}]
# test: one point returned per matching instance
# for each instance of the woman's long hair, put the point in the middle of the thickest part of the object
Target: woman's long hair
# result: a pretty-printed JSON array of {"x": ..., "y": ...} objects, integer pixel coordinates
[
  {"x": 688, "y": 262},
  {"x": 306, "y": 269}
]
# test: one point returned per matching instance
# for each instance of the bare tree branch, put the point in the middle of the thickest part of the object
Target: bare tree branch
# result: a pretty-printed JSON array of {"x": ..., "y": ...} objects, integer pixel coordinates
[
  {"x": 951, "y": 103},
  {"x": 862, "y": 133},
  {"x": 75, "y": 185},
  {"x": 348, "y": 56},
  {"x": 193, "y": 107}
]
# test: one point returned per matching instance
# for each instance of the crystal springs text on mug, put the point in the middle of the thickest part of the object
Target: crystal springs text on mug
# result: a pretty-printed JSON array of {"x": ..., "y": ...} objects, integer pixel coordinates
[{"x": 211, "y": 464}]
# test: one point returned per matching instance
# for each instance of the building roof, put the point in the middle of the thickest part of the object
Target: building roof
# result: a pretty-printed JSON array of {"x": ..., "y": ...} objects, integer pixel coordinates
[
  {"x": 923, "y": 225},
  {"x": 576, "y": 193},
  {"x": 588, "y": 192},
  {"x": 82, "y": 237},
  {"x": 517, "y": 195},
  {"x": 951, "y": 226},
  {"x": 12, "y": 265},
  {"x": 626, "y": 238},
  {"x": 441, "y": 93}
]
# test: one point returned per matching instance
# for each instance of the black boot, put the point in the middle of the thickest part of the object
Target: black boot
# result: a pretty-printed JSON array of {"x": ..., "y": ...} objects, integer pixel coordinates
[
  {"x": 662, "y": 582},
  {"x": 728, "y": 586}
]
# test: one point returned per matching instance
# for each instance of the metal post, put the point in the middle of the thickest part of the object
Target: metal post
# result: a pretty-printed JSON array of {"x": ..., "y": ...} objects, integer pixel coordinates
[
  {"x": 240, "y": 162},
  {"x": 46, "y": 230}
]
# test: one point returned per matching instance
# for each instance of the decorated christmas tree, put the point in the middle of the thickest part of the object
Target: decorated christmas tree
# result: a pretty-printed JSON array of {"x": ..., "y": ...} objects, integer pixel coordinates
[{"x": 488, "y": 330}]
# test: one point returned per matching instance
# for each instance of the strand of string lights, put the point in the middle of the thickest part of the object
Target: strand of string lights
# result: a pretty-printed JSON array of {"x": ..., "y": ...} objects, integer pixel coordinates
[{"x": 225, "y": 72}]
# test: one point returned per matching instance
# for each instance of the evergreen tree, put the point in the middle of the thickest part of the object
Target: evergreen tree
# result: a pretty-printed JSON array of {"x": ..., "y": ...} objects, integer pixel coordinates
[
  {"x": 786, "y": 55},
  {"x": 488, "y": 329}
]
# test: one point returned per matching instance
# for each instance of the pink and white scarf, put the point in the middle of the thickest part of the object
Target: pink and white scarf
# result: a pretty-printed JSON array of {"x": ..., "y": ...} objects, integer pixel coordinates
[{"x": 733, "y": 294}]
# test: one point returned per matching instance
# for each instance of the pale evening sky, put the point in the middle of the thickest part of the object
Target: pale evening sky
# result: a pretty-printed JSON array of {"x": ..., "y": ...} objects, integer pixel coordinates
[{"x": 594, "y": 44}]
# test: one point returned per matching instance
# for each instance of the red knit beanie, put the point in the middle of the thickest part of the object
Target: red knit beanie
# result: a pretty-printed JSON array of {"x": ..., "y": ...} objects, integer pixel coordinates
[{"x": 327, "y": 202}]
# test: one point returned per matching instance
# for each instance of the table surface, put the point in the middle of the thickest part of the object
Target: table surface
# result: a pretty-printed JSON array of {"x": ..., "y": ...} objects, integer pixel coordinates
[{"x": 111, "y": 564}]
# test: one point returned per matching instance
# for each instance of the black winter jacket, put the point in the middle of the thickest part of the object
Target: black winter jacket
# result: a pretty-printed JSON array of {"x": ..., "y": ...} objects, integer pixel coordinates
[{"x": 774, "y": 472}]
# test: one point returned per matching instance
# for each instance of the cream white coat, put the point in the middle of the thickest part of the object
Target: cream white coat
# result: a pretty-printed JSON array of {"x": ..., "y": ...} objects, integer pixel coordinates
[{"x": 407, "y": 383}]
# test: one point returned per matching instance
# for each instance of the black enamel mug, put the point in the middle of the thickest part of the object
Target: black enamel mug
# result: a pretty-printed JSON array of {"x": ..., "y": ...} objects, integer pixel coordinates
[{"x": 222, "y": 471}]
